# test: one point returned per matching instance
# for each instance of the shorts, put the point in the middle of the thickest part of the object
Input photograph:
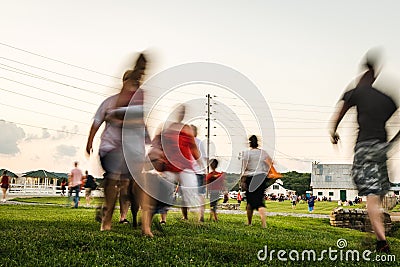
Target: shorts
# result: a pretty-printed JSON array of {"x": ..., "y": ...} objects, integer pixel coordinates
[
  {"x": 294, "y": 203},
  {"x": 214, "y": 197},
  {"x": 200, "y": 183},
  {"x": 114, "y": 165},
  {"x": 369, "y": 169},
  {"x": 5, "y": 186},
  {"x": 88, "y": 192},
  {"x": 255, "y": 198},
  {"x": 188, "y": 186}
]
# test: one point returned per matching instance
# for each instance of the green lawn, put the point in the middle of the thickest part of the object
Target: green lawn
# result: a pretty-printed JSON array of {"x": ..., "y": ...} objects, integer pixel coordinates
[
  {"x": 396, "y": 209},
  {"x": 61, "y": 236},
  {"x": 321, "y": 207},
  {"x": 57, "y": 200}
]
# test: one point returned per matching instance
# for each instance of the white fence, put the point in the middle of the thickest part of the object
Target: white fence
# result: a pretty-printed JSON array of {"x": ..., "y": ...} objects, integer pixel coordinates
[
  {"x": 44, "y": 190},
  {"x": 34, "y": 189}
]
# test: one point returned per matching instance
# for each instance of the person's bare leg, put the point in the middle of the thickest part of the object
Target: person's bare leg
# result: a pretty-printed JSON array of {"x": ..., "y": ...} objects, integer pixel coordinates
[
  {"x": 212, "y": 215},
  {"x": 184, "y": 213},
  {"x": 202, "y": 207},
  {"x": 124, "y": 200},
  {"x": 147, "y": 203},
  {"x": 88, "y": 201},
  {"x": 376, "y": 216},
  {"x": 164, "y": 217},
  {"x": 110, "y": 197},
  {"x": 215, "y": 216},
  {"x": 135, "y": 196},
  {"x": 4, "y": 193},
  {"x": 147, "y": 214},
  {"x": 249, "y": 211},
  {"x": 263, "y": 217}
]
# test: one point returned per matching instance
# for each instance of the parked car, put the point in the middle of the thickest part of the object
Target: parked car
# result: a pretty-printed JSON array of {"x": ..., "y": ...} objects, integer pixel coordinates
[{"x": 233, "y": 194}]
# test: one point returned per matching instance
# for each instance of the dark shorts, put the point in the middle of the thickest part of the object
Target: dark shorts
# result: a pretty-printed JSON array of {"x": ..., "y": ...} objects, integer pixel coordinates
[
  {"x": 256, "y": 198},
  {"x": 5, "y": 186},
  {"x": 201, "y": 183},
  {"x": 114, "y": 165},
  {"x": 214, "y": 196},
  {"x": 369, "y": 169}
]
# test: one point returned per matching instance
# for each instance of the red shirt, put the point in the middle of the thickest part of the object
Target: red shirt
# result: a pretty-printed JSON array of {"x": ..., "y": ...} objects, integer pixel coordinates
[
  {"x": 177, "y": 149},
  {"x": 215, "y": 180}
]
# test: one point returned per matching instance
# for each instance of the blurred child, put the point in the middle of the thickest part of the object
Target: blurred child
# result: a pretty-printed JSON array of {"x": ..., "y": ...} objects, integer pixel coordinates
[{"x": 215, "y": 182}]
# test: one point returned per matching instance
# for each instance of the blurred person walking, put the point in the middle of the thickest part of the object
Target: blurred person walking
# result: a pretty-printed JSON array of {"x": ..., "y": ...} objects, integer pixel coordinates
[
  {"x": 112, "y": 151},
  {"x": 63, "y": 187},
  {"x": 369, "y": 170},
  {"x": 239, "y": 197},
  {"x": 74, "y": 183},
  {"x": 255, "y": 166},
  {"x": 180, "y": 150},
  {"x": 215, "y": 184},
  {"x": 200, "y": 171},
  {"x": 90, "y": 184},
  {"x": 5, "y": 184},
  {"x": 294, "y": 201}
]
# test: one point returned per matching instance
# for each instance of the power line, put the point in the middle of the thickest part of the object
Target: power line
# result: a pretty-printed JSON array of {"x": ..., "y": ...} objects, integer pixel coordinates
[
  {"x": 61, "y": 74},
  {"x": 50, "y": 92},
  {"x": 22, "y": 72},
  {"x": 39, "y": 99},
  {"x": 41, "y": 113},
  {"x": 58, "y": 61}
]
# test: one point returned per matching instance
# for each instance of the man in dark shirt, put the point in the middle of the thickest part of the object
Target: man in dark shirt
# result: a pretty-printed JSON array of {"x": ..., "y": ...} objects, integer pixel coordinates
[{"x": 369, "y": 169}]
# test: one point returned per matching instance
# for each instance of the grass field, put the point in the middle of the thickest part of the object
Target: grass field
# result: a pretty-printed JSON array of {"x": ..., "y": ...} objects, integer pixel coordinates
[
  {"x": 60, "y": 236},
  {"x": 272, "y": 206}
]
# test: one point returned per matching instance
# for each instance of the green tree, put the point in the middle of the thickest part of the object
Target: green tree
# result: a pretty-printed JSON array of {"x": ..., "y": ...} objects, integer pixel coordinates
[{"x": 299, "y": 182}]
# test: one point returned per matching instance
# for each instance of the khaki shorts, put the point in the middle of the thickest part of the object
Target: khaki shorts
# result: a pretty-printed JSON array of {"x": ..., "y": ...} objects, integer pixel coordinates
[{"x": 88, "y": 192}]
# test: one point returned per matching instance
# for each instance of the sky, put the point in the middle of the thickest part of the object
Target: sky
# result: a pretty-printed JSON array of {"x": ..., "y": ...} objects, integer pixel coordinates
[{"x": 60, "y": 59}]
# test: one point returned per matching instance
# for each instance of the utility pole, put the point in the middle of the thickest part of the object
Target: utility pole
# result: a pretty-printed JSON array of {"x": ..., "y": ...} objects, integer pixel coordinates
[{"x": 208, "y": 131}]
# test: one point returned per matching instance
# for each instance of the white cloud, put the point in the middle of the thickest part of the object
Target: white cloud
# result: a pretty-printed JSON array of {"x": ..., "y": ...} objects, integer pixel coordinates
[
  {"x": 10, "y": 135},
  {"x": 64, "y": 132},
  {"x": 66, "y": 151},
  {"x": 45, "y": 134}
]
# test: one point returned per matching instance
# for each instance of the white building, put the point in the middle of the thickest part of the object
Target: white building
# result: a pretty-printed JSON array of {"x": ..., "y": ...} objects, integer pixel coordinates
[
  {"x": 278, "y": 189},
  {"x": 333, "y": 181}
]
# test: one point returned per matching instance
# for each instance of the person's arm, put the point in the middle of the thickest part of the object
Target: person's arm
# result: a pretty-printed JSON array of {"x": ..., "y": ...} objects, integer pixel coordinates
[
  {"x": 222, "y": 181},
  {"x": 336, "y": 121},
  {"x": 147, "y": 139},
  {"x": 69, "y": 181},
  {"x": 268, "y": 161},
  {"x": 244, "y": 163},
  {"x": 207, "y": 179},
  {"x": 93, "y": 130},
  {"x": 83, "y": 181},
  {"x": 193, "y": 147}
]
